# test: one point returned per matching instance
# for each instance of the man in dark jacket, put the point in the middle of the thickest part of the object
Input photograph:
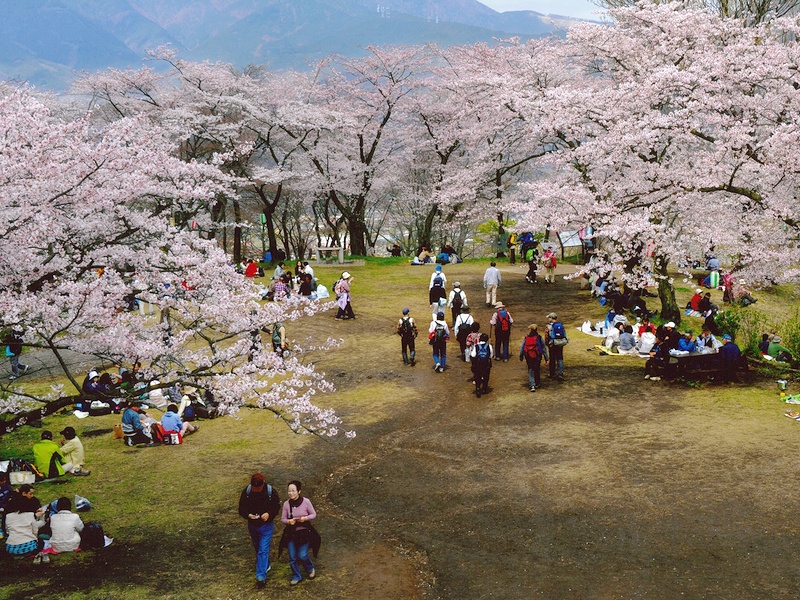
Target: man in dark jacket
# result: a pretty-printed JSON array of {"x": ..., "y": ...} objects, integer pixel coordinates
[{"x": 259, "y": 504}]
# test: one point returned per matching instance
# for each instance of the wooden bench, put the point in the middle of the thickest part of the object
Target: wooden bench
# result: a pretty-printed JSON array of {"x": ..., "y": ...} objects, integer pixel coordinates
[{"x": 330, "y": 250}]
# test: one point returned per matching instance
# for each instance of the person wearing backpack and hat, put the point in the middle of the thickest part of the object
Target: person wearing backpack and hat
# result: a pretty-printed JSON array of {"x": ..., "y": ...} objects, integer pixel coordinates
[
  {"x": 342, "y": 289},
  {"x": 407, "y": 330},
  {"x": 278, "y": 333},
  {"x": 463, "y": 327},
  {"x": 72, "y": 450},
  {"x": 455, "y": 301},
  {"x": 533, "y": 349},
  {"x": 259, "y": 504},
  {"x": 438, "y": 334},
  {"x": 437, "y": 292},
  {"x": 502, "y": 321}
]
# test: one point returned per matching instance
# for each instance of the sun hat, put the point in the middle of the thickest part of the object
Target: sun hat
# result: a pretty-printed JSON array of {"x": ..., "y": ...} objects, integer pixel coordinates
[
  {"x": 499, "y": 305},
  {"x": 457, "y": 284},
  {"x": 93, "y": 374},
  {"x": 698, "y": 291},
  {"x": 552, "y": 315},
  {"x": 345, "y": 275},
  {"x": 670, "y": 324},
  {"x": 776, "y": 339}
]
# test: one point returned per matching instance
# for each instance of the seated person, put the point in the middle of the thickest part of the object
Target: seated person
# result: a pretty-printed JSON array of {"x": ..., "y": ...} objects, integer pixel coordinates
[
  {"x": 707, "y": 342},
  {"x": 425, "y": 255},
  {"x": 48, "y": 458},
  {"x": 713, "y": 264},
  {"x": 394, "y": 250},
  {"x": 658, "y": 361},
  {"x": 645, "y": 326},
  {"x": 305, "y": 285},
  {"x": 778, "y": 352},
  {"x": 612, "y": 339},
  {"x": 710, "y": 323},
  {"x": 132, "y": 427},
  {"x": 693, "y": 306},
  {"x": 72, "y": 449},
  {"x": 6, "y": 493},
  {"x": 91, "y": 385},
  {"x": 705, "y": 306},
  {"x": 66, "y": 527},
  {"x": 686, "y": 344},
  {"x": 251, "y": 270},
  {"x": 763, "y": 347},
  {"x": 24, "y": 518},
  {"x": 741, "y": 295},
  {"x": 171, "y": 421},
  {"x": 627, "y": 342}
]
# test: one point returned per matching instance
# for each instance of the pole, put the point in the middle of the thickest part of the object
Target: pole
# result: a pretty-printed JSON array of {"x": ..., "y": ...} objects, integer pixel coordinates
[{"x": 263, "y": 218}]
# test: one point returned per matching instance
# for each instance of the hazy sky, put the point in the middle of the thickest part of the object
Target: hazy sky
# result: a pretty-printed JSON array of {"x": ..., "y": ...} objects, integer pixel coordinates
[{"x": 570, "y": 8}]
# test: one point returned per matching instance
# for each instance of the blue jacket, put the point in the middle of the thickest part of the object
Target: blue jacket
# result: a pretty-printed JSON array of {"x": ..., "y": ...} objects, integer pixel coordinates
[{"x": 171, "y": 421}]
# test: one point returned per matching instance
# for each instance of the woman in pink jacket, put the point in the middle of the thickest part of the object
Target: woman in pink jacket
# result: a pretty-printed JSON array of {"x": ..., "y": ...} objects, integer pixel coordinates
[{"x": 299, "y": 535}]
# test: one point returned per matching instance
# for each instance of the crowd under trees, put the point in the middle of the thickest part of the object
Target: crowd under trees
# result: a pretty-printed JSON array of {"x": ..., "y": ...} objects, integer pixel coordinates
[{"x": 671, "y": 130}]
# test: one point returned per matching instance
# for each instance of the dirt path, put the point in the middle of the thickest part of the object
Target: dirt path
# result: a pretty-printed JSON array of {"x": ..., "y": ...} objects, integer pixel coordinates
[{"x": 604, "y": 486}]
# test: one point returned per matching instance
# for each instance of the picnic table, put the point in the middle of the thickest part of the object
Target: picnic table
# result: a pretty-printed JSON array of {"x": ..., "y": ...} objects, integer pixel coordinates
[{"x": 699, "y": 363}]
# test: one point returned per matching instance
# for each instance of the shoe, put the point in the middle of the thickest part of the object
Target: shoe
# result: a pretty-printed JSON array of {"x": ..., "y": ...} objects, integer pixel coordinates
[
  {"x": 497, "y": 358},
  {"x": 294, "y": 582},
  {"x": 505, "y": 360},
  {"x": 260, "y": 583},
  {"x": 25, "y": 368},
  {"x": 478, "y": 392},
  {"x": 436, "y": 367},
  {"x": 647, "y": 376},
  {"x": 81, "y": 473},
  {"x": 45, "y": 559},
  {"x": 533, "y": 389},
  {"x": 312, "y": 574},
  {"x": 38, "y": 559},
  {"x": 656, "y": 378},
  {"x": 13, "y": 377},
  {"x": 413, "y": 362}
]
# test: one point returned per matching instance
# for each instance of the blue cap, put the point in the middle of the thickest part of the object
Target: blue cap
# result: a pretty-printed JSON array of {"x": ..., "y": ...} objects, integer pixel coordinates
[
  {"x": 405, "y": 311},
  {"x": 438, "y": 267},
  {"x": 440, "y": 315},
  {"x": 727, "y": 337}
]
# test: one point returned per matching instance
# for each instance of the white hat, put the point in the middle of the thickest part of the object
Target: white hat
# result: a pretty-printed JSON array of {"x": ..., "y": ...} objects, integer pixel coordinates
[
  {"x": 93, "y": 374},
  {"x": 699, "y": 291},
  {"x": 670, "y": 324},
  {"x": 345, "y": 275}
]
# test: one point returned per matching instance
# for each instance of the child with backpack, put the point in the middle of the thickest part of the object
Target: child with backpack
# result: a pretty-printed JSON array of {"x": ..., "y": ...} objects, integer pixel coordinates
[
  {"x": 481, "y": 355},
  {"x": 438, "y": 334},
  {"x": 549, "y": 264},
  {"x": 533, "y": 350},
  {"x": 463, "y": 327},
  {"x": 407, "y": 330},
  {"x": 456, "y": 301}
]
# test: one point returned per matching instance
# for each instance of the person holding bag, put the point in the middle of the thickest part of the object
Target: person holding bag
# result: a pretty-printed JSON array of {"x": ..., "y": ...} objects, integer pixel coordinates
[
  {"x": 556, "y": 340},
  {"x": 299, "y": 535}
]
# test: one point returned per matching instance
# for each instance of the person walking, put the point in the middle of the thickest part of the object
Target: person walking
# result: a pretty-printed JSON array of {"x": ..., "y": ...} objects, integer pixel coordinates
[
  {"x": 259, "y": 504},
  {"x": 463, "y": 327},
  {"x": 556, "y": 340},
  {"x": 491, "y": 281},
  {"x": 343, "y": 298},
  {"x": 502, "y": 321},
  {"x": 438, "y": 334},
  {"x": 549, "y": 263},
  {"x": 437, "y": 292},
  {"x": 532, "y": 351},
  {"x": 511, "y": 243},
  {"x": 455, "y": 301},
  {"x": 407, "y": 330},
  {"x": 481, "y": 355},
  {"x": 299, "y": 535},
  {"x": 13, "y": 342},
  {"x": 531, "y": 256}
]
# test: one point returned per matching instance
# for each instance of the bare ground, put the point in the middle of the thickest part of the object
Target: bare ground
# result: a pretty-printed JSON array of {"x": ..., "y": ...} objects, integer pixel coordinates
[{"x": 604, "y": 486}]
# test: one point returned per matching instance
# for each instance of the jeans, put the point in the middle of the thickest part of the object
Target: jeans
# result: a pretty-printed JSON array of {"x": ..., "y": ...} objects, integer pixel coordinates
[
  {"x": 298, "y": 553},
  {"x": 262, "y": 540},
  {"x": 556, "y": 361},
  {"x": 440, "y": 353},
  {"x": 534, "y": 373}
]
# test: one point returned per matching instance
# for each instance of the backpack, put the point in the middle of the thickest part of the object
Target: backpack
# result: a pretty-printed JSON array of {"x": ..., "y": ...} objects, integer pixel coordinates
[
  {"x": 458, "y": 300},
  {"x": 558, "y": 331},
  {"x": 406, "y": 329},
  {"x": 335, "y": 288},
  {"x": 92, "y": 536},
  {"x": 550, "y": 261},
  {"x": 157, "y": 433},
  {"x": 531, "y": 347},
  {"x": 438, "y": 281},
  {"x": 438, "y": 333},
  {"x": 504, "y": 322},
  {"x": 464, "y": 330},
  {"x": 482, "y": 352}
]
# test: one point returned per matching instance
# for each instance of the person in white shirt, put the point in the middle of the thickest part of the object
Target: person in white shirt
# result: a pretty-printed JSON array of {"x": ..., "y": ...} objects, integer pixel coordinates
[{"x": 66, "y": 526}]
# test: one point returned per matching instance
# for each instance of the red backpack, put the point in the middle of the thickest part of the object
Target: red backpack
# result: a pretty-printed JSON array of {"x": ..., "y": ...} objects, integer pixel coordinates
[
  {"x": 531, "y": 347},
  {"x": 503, "y": 321}
]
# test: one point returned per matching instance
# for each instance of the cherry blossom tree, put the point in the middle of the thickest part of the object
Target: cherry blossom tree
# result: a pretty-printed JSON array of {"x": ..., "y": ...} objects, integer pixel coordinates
[{"x": 87, "y": 223}]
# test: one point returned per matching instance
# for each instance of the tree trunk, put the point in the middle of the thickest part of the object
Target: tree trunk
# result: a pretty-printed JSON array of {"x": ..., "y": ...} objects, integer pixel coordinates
[
  {"x": 237, "y": 233},
  {"x": 666, "y": 292},
  {"x": 7, "y": 426}
]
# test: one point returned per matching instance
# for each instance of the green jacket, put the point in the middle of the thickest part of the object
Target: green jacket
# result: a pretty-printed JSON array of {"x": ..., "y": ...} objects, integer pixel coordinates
[
  {"x": 775, "y": 349},
  {"x": 44, "y": 452}
]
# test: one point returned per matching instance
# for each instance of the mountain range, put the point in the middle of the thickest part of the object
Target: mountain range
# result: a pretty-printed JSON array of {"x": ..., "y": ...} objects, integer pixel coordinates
[{"x": 45, "y": 42}]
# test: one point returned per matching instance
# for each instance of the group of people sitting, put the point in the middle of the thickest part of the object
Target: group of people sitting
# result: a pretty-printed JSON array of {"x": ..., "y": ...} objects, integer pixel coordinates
[
  {"x": 284, "y": 285},
  {"x": 140, "y": 427},
  {"x": 53, "y": 460},
  {"x": 28, "y": 526},
  {"x": 771, "y": 348},
  {"x": 447, "y": 254}
]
